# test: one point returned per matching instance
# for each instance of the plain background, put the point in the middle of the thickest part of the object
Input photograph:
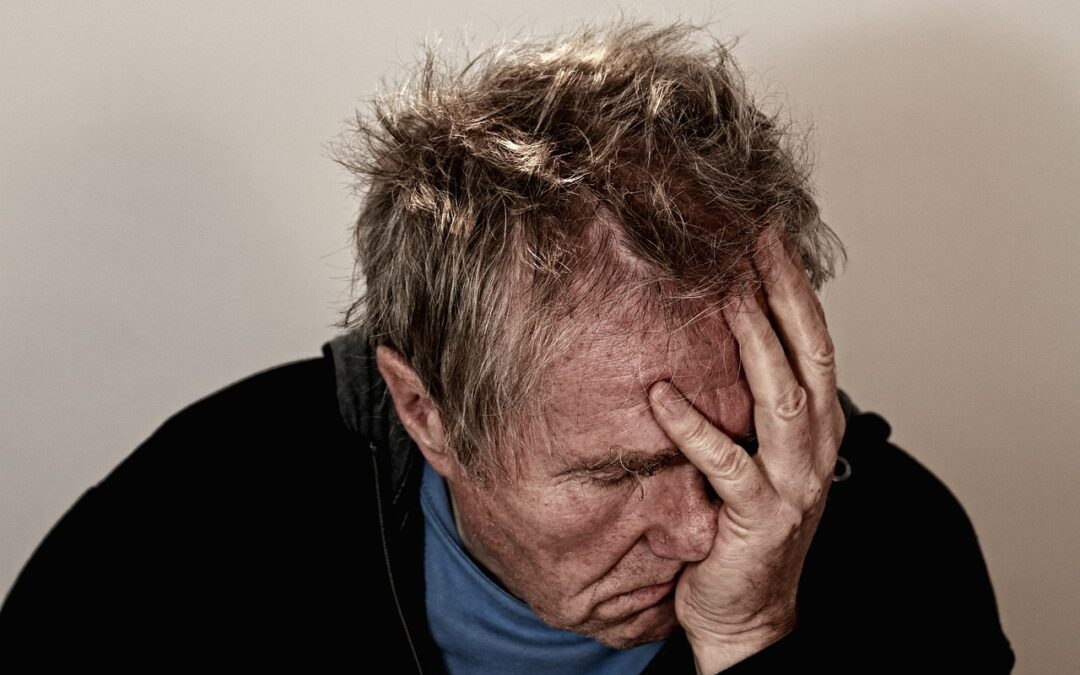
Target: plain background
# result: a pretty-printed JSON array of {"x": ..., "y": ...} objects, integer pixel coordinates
[{"x": 171, "y": 222}]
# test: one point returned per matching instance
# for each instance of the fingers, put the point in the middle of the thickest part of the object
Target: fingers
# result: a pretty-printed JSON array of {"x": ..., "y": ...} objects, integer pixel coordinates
[
  {"x": 799, "y": 316},
  {"x": 734, "y": 475},
  {"x": 800, "y": 322},
  {"x": 781, "y": 412}
]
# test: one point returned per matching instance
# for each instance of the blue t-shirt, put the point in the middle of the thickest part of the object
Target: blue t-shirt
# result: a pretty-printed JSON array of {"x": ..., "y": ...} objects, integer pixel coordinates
[{"x": 481, "y": 628}]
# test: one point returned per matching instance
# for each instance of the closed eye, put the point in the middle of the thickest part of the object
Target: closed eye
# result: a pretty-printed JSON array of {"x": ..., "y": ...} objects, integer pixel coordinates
[
  {"x": 619, "y": 467},
  {"x": 625, "y": 477},
  {"x": 606, "y": 483}
]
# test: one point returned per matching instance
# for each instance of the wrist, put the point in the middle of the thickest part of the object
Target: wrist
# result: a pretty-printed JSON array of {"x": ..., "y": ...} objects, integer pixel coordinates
[{"x": 714, "y": 653}]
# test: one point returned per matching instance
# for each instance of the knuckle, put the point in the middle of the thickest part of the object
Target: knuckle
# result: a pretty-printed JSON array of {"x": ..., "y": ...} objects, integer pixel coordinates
[
  {"x": 731, "y": 461},
  {"x": 815, "y": 490},
  {"x": 788, "y": 521},
  {"x": 823, "y": 354},
  {"x": 792, "y": 404}
]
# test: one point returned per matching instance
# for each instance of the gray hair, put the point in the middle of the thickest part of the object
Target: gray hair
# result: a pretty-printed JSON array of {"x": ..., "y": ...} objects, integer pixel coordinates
[{"x": 615, "y": 162}]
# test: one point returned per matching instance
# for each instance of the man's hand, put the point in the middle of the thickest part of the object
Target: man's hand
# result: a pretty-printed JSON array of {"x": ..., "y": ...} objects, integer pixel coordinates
[{"x": 741, "y": 598}]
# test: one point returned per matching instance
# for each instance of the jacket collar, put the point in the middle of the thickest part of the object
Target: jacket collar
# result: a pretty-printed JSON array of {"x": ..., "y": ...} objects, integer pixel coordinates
[
  {"x": 367, "y": 409},
  {"x": 368, "y": 412}
]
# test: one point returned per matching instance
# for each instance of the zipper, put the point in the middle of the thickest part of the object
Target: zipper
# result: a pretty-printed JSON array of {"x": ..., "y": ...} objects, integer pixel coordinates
[{"x": 386, "y": 557}]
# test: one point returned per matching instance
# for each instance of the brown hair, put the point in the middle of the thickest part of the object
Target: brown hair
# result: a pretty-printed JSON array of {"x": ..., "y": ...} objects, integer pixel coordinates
[{"x": 614, "y": 162}]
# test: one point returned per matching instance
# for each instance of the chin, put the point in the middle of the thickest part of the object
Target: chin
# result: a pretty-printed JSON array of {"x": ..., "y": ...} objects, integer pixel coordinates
[{"x": 649, "y": 625}]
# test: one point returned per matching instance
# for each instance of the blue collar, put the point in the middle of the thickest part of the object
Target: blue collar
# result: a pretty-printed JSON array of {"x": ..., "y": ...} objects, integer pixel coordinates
[{"x": 481, "y": 628}]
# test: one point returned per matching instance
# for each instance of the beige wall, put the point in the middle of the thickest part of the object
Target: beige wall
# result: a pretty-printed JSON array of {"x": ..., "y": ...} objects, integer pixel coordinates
[{"x": 169, "y": 222}]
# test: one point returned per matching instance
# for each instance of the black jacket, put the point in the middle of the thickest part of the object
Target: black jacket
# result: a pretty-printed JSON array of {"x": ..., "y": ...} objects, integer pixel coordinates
[{"x": 276, "y": 522}]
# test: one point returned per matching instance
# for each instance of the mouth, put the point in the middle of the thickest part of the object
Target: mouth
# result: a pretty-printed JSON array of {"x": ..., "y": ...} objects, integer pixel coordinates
[{"x": 636, "y": 600}]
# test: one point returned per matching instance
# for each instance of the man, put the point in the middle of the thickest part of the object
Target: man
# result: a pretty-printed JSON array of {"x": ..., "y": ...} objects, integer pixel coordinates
[{"x": 583, "y": 418}]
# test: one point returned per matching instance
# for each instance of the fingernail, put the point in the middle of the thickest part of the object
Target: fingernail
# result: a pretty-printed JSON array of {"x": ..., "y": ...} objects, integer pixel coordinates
[
  {"x": 751, "y": 300},
  {"x": 776, "y": 243},
  {"x": 748, "y": 303},
  {"x": 732, "y": 309},
  {"x": 665, "y": 396},
  {"x": 766, "y": 249}
]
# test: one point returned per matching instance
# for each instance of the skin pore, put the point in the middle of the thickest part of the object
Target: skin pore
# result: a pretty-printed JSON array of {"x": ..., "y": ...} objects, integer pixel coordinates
[{"x": 606, "y": 511}]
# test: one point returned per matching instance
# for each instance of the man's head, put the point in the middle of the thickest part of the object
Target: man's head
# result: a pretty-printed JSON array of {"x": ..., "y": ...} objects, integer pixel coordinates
[{"x": 545, "y": 233}]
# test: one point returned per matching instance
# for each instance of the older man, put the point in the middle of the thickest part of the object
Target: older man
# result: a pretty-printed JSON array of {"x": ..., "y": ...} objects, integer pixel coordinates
[{"x": 583, "y": 418}]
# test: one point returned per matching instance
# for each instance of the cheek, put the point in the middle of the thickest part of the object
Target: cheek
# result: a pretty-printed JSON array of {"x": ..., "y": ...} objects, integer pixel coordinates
[
  {"x": 578, "y": 523},
  {"x": 555, "y": 545}
]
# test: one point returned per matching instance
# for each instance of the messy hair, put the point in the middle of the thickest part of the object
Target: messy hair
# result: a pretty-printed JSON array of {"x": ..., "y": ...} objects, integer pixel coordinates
[{"x": 615, "y": 164}]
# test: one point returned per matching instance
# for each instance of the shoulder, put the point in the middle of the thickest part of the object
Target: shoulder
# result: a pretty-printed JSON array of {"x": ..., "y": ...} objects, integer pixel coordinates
[
  {"x": 896, "y": 566},
  {"x": 889, "y": 505},
  {"x": 245, "y": 426},
  {"x": 270, "y": 445},
  {"x": 296, "y": 392},
  {"x": 886, "y": 487},
  {"x": 242, "y": 518}
]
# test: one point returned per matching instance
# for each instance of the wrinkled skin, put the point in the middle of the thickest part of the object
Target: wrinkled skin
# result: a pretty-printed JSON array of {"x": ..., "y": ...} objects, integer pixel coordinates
[
  {"x": 635, "y": 510},
  {"x": 742, "y": 597},
  {"x": 573, "y": 543}
]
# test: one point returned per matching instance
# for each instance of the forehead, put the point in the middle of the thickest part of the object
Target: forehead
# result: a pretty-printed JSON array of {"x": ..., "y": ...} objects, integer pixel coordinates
[
  {"x": 596, "y": 393},
  {"x": 618, "y": 359}
]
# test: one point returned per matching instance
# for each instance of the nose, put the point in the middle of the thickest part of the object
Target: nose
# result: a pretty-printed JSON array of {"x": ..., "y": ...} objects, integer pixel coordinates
[{"x": 680, "y": 514}]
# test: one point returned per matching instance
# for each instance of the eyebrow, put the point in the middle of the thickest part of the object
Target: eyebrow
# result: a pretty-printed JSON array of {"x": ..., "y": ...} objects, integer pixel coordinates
[
  {"x": 634, "y": 460},
  {"x": 631, "y": 460}
]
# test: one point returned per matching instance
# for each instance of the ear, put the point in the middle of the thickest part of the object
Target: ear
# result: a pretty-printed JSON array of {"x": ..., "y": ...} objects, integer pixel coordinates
[{"x": 415, "y": 408}]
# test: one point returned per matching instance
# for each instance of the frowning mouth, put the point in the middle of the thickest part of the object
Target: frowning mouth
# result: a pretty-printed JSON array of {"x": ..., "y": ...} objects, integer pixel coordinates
[{"x": 636, "y": 600}]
